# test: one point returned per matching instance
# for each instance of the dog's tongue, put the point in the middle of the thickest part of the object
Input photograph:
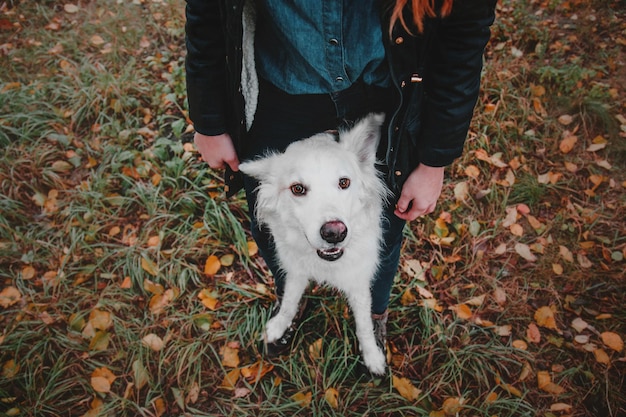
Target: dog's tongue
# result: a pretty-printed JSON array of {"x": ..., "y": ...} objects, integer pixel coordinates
[{"x": 331, "y": 254}]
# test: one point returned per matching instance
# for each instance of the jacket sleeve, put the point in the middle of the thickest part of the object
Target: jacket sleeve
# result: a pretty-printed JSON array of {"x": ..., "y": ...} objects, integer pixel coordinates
[
  {"x": 205, "y": 66},
  {"x": 452, "y": 82}
]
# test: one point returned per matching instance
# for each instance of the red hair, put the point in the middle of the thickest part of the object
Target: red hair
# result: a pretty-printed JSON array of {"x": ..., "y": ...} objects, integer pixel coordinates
[{"x": 420, "y": 9}]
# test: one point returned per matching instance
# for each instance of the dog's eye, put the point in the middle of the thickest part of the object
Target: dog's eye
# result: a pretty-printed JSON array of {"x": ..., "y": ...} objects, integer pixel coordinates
[
  {"x": 344, "y": 183},
  {"x": 298, "y": 189}
]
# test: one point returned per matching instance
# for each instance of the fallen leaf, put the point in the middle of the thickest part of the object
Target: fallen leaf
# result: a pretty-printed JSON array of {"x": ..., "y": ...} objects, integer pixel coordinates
[
  {"x": 149, "y": 266},
  {"x": 533, "y": 334},
  {"x": 523, "y": 250},
  {"x": 461, "y": 191},
  {"x": 10, "y": 369},
  {"x": 504, "y": 330},
  {"x": 71, "y": 8},
  {"x": 153, "y": 342},
  {"x": 544, "y": 316},
  {"x": 28, "y": 272},
  {"x": 209, "y": 298},
  {"x": 230, "y": 379},
  {"x": 405, "y": 388},
  {"x": 601, "y": 356},
  {"x": 212, "y": 265},
  {"x": 96, "y": 40},
  {"x": 544, "y": 382},
  {"x": 227, "y": 260},
  {"x": 566, "y": 254},
  {"x": 519, "y": 344},
  {"x": 100, "y": 319},
  {"x": 565, "y": 119},
  {"x": 101, "y": 380},
  {"x": 579, "y": 324},
  {"x": 499, "y": 295},
  {"x": 9, "y": 296},
  {"x": 256, "y": 371},
  {"x": 462, "y": 311},
  {"x": 561, "y": 407},
  {"x": 452, "y": 406},
  {"x": 140, "y": 374},
  {"x": 253, "y": 249},
  {"x": 230, "y": 356},
  {"x": 612, "y": 340},
  {"x": 303, "y": 399},
  {"x": 315, "y": 349},
  {"x": 568, "y": 143},
  {"x": 332, "y": 397}
]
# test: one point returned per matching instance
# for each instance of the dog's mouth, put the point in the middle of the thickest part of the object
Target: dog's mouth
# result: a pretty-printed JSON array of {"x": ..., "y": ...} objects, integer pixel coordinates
[{"x": 331, "y": 254}]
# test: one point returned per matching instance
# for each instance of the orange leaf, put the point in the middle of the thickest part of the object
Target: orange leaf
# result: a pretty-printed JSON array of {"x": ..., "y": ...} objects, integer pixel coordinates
[
  {"x": 568, "y": 143},
  {"x": 208, "y": 298},
  {"x": 612, "y": 340},
  {"x": 28, "y": 272},
  {"x": 462, "y": 311},
  {"x": 601, "y": 356},
  {"x": 256, "y": 371},
  {"x": 212, "y": 265},
  {"x": 533, "y": 334},
  {"x": 149, "y": 266},
  {"x": 332, "y": 397},
  {"x": 544, "y": 382},
  {"x": 253, "y": 249},
  {"x": 452, "y": 406}
]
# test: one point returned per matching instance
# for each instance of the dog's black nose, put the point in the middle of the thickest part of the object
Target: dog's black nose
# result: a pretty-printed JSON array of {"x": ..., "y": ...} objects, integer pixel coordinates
[{"x": 334, "y": 231}]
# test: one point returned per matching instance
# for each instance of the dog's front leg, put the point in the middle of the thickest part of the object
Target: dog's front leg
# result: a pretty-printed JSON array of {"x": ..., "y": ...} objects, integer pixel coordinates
[
  {"x": 373, "y": 356},
  {"x": 278, "y": 325}
]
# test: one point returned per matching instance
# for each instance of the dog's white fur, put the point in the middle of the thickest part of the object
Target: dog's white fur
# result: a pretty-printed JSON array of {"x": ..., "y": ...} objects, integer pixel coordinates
[{"x": 318, "y": 164}]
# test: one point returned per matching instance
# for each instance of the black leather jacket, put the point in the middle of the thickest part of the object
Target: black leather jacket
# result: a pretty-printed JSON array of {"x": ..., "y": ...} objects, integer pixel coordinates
[{"x": 437, "y": 75}]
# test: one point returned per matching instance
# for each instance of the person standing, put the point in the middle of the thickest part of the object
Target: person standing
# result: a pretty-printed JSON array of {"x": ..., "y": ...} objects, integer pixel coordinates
[{"x": 264, "y": 73}]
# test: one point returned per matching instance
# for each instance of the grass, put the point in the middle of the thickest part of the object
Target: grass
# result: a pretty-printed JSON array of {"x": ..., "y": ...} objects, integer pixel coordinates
[{"x": 108, "y": 220}]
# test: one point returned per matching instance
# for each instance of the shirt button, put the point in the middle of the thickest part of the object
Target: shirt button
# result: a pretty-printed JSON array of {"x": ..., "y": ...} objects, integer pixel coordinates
[
  {"x": 339, "y": 79},
  {"x": 399, "y": 40},
  {"x": 333, "y": 41}
]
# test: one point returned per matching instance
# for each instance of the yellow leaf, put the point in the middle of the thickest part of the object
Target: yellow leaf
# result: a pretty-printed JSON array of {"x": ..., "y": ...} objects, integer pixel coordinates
[
  {"x": 511, "y": 390},
  {"x": 253, "y": 249},
  {"x": 452, "y": 406},
  {"x": 315, "y": 349},
  {"x": 149, "y": 266},
  {"x": 153, "y": 288},
  {"x": 209, "y": 299},
  {"x": 212, "y": 265},
  {"x": 304, "y": 400},
  {"x": 100, "y": 341},
  {"x": 100, "y": 319},
  {"x": 10, "y": 369},
  {"x": 544, "y": 316},
  {"x": 231, "y": 379},
  {"x": 153, "y": 342},
  {"x": 405, "y": 388},
  {"x": 437, "y": 413},
  {"x": 332, "y": 397},
  {"x": 408, "y": 298},
  {"x": 101, "y": 379},
  {"x": 612, "y": 340},
  {"x": 9, "y": 296},
  {"x": 230, "y": 356}
]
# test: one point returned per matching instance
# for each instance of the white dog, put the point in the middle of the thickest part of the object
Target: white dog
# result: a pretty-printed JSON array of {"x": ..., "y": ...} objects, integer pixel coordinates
[{"x": 322, "y": 201}]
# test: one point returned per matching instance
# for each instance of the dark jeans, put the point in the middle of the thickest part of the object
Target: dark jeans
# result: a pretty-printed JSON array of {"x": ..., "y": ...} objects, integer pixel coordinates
[{"x": 281, "y": 119}]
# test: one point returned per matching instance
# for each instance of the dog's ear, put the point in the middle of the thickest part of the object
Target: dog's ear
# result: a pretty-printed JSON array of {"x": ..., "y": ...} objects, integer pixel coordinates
[
  {"x": 363, "y": 138},
  {"x": 259, "y": 168}
]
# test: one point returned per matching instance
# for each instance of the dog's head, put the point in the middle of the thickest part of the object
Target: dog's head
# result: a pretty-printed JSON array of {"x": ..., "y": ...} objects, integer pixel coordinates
[{"x": 321, "y": 188}]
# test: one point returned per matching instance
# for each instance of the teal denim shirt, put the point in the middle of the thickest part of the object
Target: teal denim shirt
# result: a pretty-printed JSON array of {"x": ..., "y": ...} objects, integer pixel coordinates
[{"x": 319, "y": 46}]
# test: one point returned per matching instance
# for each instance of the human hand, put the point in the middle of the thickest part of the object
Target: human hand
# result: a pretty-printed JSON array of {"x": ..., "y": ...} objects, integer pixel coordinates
[
  {"x": 217, "y": 151},
  {"x": 420, "y": 192}
]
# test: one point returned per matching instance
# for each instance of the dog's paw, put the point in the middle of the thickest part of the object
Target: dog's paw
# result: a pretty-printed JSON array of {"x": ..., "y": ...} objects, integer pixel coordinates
[
  {"x": 375, "y": 361},
  {"x": 275, "y": 328}
]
